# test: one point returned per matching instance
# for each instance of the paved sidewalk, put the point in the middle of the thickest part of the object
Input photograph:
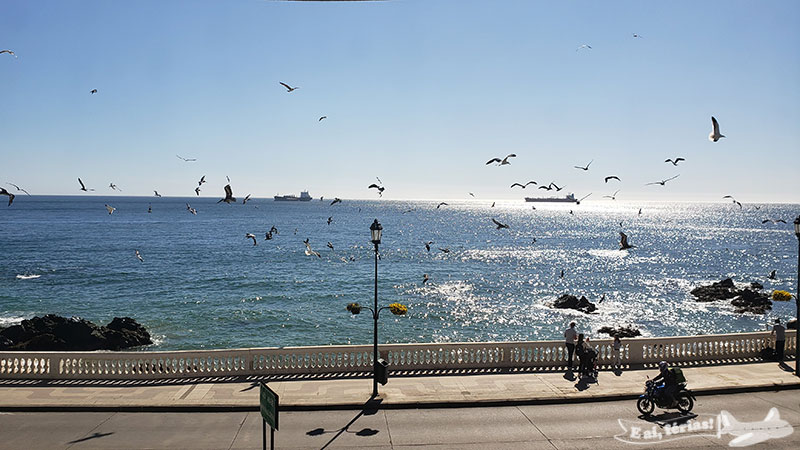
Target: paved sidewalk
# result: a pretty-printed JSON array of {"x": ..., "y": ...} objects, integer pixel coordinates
[{"x": 400, "y": 392}]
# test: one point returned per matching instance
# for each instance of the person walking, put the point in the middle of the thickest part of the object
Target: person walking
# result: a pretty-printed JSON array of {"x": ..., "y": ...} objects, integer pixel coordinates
[
  {"x": 616, "y": 349},
  {"x": 779, "y": 331},
  {"x": 570, "y": 335}
]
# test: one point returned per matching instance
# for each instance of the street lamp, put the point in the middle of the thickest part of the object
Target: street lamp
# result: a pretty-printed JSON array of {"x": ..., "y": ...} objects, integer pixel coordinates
[
  {"x": 376, "y": 230},
  {"x": 797, "y": 303}
]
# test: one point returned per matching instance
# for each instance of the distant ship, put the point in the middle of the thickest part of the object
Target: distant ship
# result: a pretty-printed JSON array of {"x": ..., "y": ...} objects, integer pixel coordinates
[
  {"x": 304, "y": 197},
  {"x": 569, "y": 198}
]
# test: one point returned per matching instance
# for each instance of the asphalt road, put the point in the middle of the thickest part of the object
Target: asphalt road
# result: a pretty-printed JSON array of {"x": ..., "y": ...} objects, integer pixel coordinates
[{"x": 572, "y": 426}]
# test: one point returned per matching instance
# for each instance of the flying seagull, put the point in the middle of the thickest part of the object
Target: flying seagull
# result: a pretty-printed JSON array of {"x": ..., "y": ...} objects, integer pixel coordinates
[
  {"x": 202, "y": 180},
  {"x": 499, "y": 225},
  {"x": 772, "y": 275},
  {"x": 9, "y": 194},
  {"x": 114, "y": 187},
  {"x": 330, "y": 246},
  {"x": 149, "y": 209},
  {"x": 714, "y": 136},
  {"x": 323, "y": 117},
  {"x": 473, "y": 195},
  {"x": 623, "y": 241},
  {"x": 330, "y": 219},
  {"x": 613, "y": 196},
  {"x": 674, "y": 161},
  {"x": 110, "y": 209},
  {"x": 138, "y": 255},
  {"x": 663, "y": 182},
  {"x": 191, "y": 210},
  {"x": 637, "y": 35},
  {"x": 273, "y": 229},
  {"x": 441, "y": 204},
  {"x": 83, "y": 186},
  {"x": 19, "y": 188},
  {"x": 774, "y": 221},
  {"x": 428, "y": 245},
  {"x": 288, "y": 88},
  {"x": 556, "y": 186},
  {"x": 379, "y": 188},
  {"x": 612, "y": 177},
  {"x": 156, "y": 194},
  {"x": 336, "y": 200},
  {"x": 425, "y": 278},
  {"x": 501, "y": 162},
  {"x": 93, "y": 91},
  {"x": 523, "y": 186},
  {"x": 584, "y": 46},
  {"x": 444, "y": 250},
  {"x": 733, "y": 200},
  {"x": 186, "y": 159},
  {"x": 586, "y": 167},
  {"x": 197, "y": 191},
  {"x": 9, "y": 52},
  {"x": 493, "y": 204},
  {"x": 268, "y": 236},
  {"x": 251, "y": 236},
  {"x": 229, "y": 198},
  {"x": 583, "y": 198},
  {"x": 310, "y": 252},
  {"x": 548, "y": 187},
  {"x": 245, "y": 199}
]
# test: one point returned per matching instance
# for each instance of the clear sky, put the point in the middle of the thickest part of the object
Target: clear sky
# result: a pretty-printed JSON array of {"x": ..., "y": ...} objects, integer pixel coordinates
[{"x": 418, "y": 93}]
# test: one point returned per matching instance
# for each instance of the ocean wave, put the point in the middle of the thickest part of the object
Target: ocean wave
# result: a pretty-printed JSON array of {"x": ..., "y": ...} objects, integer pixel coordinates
[
  {"x": 28, "y": 277},
  {"x": 7, "y": 321}
]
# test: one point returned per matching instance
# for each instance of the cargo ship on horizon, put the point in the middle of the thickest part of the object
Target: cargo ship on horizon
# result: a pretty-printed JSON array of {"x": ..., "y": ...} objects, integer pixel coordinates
[
  {"x": 304, "y": 197},
  {"x": 569, "y": 198}
]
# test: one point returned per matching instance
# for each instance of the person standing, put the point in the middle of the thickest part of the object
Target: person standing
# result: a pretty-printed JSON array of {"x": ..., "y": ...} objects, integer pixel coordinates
[
  {"x": 571, "y": 335},
  {"x": 780, "y": 339},
  {"x": 617, "y": 348}
]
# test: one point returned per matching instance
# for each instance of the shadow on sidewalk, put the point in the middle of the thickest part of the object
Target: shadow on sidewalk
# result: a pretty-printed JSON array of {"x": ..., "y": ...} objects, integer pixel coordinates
[
  {"x": 370, "y": 408},
  {"x": 93, "y": 436}
]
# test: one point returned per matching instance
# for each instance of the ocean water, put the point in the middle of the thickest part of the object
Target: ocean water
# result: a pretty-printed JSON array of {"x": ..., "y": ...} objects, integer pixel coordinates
[{"x": 204, "y": 285}]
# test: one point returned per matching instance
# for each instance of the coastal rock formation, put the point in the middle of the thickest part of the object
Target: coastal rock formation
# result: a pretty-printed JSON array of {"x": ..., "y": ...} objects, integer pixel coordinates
[
  {"x": 745, "y": 300},
  {"x": 791, "y": 325},
  {"x": 621, "y": 332},
  {"x": 55, "y": 333},
  {"x": 568, "y": 301}
]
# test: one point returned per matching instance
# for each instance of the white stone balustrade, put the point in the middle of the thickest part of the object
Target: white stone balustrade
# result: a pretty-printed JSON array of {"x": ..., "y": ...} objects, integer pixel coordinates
[{"x": 357, "y": 359}]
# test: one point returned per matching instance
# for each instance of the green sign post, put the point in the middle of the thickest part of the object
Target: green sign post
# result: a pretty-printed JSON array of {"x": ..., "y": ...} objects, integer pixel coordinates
[{"x": 268, "y": 402}]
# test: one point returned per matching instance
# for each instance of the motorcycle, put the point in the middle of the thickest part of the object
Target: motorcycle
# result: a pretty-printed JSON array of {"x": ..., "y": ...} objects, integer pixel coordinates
[{"x": 653, "y": 396}]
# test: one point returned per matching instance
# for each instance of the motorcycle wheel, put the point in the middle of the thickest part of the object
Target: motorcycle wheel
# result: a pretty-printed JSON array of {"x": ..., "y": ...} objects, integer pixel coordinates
[
  {"x": 685, "y": 404},
  {"x": 645, "y": 406}
]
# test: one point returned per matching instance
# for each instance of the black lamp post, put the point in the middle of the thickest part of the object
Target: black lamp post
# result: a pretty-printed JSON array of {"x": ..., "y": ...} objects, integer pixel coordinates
[
  {"x": 797, "y": 302},
  {"x": 375, "y": 229}
]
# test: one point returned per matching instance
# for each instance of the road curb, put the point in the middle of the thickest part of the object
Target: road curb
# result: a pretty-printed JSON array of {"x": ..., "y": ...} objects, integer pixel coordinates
[{"x": 380, "y": 404}]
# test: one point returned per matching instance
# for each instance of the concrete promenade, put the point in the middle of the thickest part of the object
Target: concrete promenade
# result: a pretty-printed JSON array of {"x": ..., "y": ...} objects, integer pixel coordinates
[{"x": 400, "y": 392}]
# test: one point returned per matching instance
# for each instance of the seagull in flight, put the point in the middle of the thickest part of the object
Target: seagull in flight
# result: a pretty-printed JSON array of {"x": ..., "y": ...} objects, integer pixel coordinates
[
  {"x": 9, "y": 52},
  {"x": 379, "y": 188},
  {"x": 441, "y": 204},
  {"x": 138, "y": 255},
  {"x": 288, "y": 88},
  {"x": 663, "y": 182},
  {"x": 156, "y": 194},
  {"x": 197, "y": 191},
  {"x": 330, "y": 246},
  {"x": 556, "y": 186},
  {"x": 83, "y": 186},
  {"x": 733, "y": 200},
  {"x": 19, "y": 188},
  {"x": 583, "y": 198},
  {"x": 714, "y": 136},
  {"x": 501, "y": 162},
  {"x": 245, "y": 199},
  {"x": 310, "y": 252},
  {"x": 623, "y": 242},
  {"x": 110, "y": 209},
  {"x": 772, "y": 275},
  {"x": 586, "y": 167},
  {"x": 425, "y": 278},
  {"x": 674, "y": 161},
  {"x": 444, "y": 250},
  {"x": 637, "y": 36},
  {"x": 336, "y": 200},
  {"x": 186, "y": 159},
  {"x": 202, "y": 180},
  {"x": 8, "y": 194},
  {"x": 523, "y": 186},
  {"x": 330, "y": 219},
  {"x": 548, "y": 187},
  {"x": 499, "y": 225},
  {"x": 323, "y": 117},
  {"x": 774, "y": 221},
  {"x": 613, "y": 196},
  {"x": 191, "y": 210},
  {"x": 612, "y": 177},
  {"x": 229, "y": 198},
  {"x": 584, "y": 46},
  {"x": 428, "y": 245},
  {"x": 251, "y": 236},
  {"x": 114, "y": 187},
  {"x": 93, "y": 91}
]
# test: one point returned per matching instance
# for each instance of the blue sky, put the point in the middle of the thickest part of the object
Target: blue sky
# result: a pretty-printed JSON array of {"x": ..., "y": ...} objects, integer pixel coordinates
[{"x": 418, "y": 93}]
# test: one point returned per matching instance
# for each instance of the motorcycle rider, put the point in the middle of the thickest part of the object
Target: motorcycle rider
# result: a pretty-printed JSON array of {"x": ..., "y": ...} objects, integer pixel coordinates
[{"x": 670, "y": 383}]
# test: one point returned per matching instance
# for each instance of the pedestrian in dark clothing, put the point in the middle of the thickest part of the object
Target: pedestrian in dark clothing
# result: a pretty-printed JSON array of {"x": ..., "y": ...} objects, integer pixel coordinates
[
  {"x": 570, "y": 335},
  {"x": 580, "y": 352},
  {"x": 780, "y": 339}
]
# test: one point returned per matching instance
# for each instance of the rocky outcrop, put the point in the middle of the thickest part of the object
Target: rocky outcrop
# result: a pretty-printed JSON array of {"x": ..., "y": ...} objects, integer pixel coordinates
[
  {"x": 568, "y": 301},
  {"x": 791, "y": 325},
  {"x": 621, "y": 332},
  {"x": 747, "y": 300},
  {"x": 55, "y": 333}
]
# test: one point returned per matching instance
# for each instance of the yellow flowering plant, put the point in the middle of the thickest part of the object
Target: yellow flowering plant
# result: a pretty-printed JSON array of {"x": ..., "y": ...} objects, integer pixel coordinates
[
  {"x": 398, "y": 309},
  {"x": 781, "y": 296},
  {"x": 354, "y": 308}
]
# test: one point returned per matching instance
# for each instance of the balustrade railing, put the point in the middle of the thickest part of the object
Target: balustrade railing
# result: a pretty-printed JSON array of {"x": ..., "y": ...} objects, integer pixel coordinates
[{"x": 357, "y": 359}]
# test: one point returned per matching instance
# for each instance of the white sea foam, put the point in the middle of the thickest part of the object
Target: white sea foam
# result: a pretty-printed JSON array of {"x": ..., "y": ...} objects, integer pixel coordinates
[
  {"x": 27, "y": 277},
  {"x": 6, "y": 321}
]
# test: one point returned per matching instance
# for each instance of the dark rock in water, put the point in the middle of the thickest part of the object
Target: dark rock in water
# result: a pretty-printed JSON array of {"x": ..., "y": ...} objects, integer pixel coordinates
[
  {"x": 53, "y": 332},
  {"x": 621, "y": 332},
  {"x": 791, "y": 325},
  {"x": 756, "y": 285},
  {"x": 721, "y": 290},
  {"x": 752, "y": 301},
  {"x": 568, "y": 301}
]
